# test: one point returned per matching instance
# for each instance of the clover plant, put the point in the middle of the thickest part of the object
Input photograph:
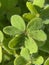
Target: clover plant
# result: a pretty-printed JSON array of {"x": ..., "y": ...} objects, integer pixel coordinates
[{"x": 24, "y": 32}]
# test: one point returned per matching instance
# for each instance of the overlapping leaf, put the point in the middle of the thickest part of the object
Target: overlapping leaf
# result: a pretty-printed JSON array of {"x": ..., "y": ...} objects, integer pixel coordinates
[
  {"x": 16, "y": 42},
  {"x": 31, "y": 45},
  {"x": 35, "y": 24},
  {"x": 38, "y": 35},
  {"x": 5, "y": 46},
  {"x": 46, "y": 21},
  {"x": 28, "y": 16},
  {"x": 25, "y": 54},
  {"x": 38, "y": 61},
  {"x": 20, "y": 61},
  {"x": 31, "y": 8},
  {"x": 12, "y": 31},
  {"x": 45, "y": 47}
]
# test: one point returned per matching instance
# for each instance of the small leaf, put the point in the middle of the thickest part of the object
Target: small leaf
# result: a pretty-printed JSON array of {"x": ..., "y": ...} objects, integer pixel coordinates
[
  {"x": 5, "y": 46},
  {"x": 45, "y": 47},
  {"x": 40, "y": 43},
  {"x": 0, "y": 54},
  {"x": 46, "y": 21},
  {"x": 39, "y": 3},
  {"x": 18, "y": 22},
  {"x": 38, "y": 35},
  {"x": 25, "y": 54},
  {"x": 31, "y": 45},
  {"x": 28, "y": 16},
  {"x": 46, "y": 6},
  {"x": 47, "y": 62},
  {"x": 10, "y": 30},
  {"x": 38, "y": 61},
  {"x": 13, "y": 44},
  {"x": 31, "y": 8},
  {"x": 20, "y": 61},
  {"x": 16, "y": 42},
  {"x": 1, "y": 37},
  {"x": 35, "y": 24}
]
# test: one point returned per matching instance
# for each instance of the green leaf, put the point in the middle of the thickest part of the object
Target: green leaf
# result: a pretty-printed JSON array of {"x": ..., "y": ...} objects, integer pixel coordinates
[
  {"x": 5, "y": 46},
  {"x": 31, "y": 45},
  {"x": 28, "y": 16},
  {"x": 38, "y": 35},
  {"x": 0, "y": 54},
  {"x": 31, "y": 8},
  {"x": 46, "y": 6},
  {"x": 46, "y": 21},
  {"x": 47, "y": 62},
  {"x": 39, "y": 3},
  {"x": 40, "y": 43},
  {"x": 38, "y": 61},
  {"x": 25, "y": 54},
  {"x": 18, "y": 22},
  {"x": 1, "y": 37},
  {"x": 20, "y": 61},
  {"x": 35, "y": 24},
  {"x": 10, "y": 30},
  {"x": 45, "y": 47},
  {"x": 16, "y": 42}
]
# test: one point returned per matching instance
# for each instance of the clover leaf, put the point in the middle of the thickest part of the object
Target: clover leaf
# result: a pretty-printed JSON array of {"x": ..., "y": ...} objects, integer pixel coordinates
[
  {"x": 35, "y": 24},
  {"x": 46, "y": 21},
  {"x": 12, "y": 31},
  {"x": 18, "y": 22},
  {"x": 28, "y": 16},
  {"x": 38, "y": 61},
  {"x": 16, "y": 42},
  {"x": 31, "y": 8},
  {"x": 5, "y": 46},
  {"x": 20, "y": 61},
  {"x": 25, "y": 53},
  {"x": 38, "y": 35},
  {"x": 31, "y": 45}
]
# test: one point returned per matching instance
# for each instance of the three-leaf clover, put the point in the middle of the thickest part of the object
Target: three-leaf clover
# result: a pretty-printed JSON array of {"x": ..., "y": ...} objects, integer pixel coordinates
[
  {"x": 24, "y": 36},
  {"x": 18, "y": 26}
]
